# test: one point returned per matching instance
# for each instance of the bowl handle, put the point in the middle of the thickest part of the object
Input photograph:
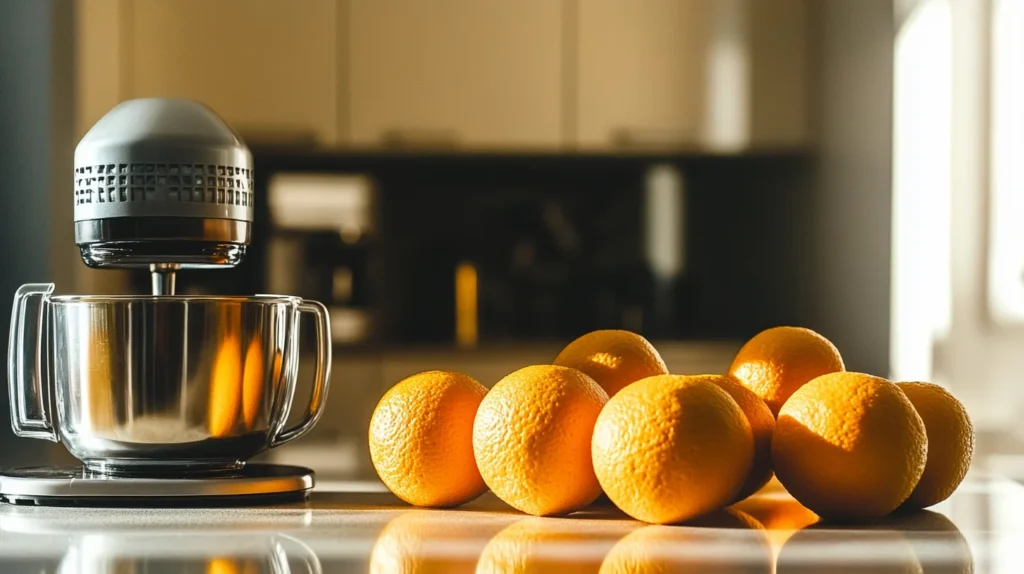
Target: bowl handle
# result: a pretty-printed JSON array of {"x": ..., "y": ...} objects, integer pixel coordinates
[
  {"x": 322, "y": 379},
  {"x": 28, "y": 377}
]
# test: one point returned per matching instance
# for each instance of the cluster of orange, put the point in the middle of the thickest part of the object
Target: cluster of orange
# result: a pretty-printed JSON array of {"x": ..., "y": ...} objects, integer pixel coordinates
[{"x": 607, "y": 417}]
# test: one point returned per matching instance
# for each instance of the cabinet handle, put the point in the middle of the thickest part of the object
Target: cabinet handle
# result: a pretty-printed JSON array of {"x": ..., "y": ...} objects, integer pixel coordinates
[
  {"x": 645, "y": 138},
  {"x": 420, "y": 138}
]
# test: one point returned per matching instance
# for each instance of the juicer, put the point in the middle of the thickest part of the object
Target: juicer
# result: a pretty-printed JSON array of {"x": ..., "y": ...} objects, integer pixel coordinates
[
  {"x": 163, "y": 397},
  {"x": 163, "y": 184}
]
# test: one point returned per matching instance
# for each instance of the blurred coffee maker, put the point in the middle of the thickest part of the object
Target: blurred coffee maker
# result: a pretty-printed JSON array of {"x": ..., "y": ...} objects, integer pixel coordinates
[{"x": 323, "y": 229}]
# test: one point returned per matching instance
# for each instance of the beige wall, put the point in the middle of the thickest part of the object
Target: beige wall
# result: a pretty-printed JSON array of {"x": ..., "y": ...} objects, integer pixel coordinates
[{"x": 98, "y": 86}]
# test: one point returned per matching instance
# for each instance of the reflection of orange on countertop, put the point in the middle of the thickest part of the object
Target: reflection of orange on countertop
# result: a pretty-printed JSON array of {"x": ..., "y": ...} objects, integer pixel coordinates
[
  {"x": 422, "y": 541},
  {"x": 860, "y": 551},
  {"x": 697, "y": 546},
  {"x": 526, "y": 546}
]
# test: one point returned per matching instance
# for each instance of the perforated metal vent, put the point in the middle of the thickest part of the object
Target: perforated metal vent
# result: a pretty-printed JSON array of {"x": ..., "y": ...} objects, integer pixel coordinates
[{"x": 197, "y": 183}]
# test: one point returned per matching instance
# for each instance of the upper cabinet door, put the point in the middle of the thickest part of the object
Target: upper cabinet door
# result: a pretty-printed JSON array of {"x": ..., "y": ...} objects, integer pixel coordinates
[
  {"x": 719, "y": 75},
  {"x": 641, "y": 72},
  {"x": 266, "y": 66},
  {"x": 466, "y": 72},
  {"x": 780, "y": 84}
]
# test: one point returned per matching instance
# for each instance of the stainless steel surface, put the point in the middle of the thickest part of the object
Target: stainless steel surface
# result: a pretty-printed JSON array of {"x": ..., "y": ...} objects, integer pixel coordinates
[
  {"x": 141, "y": 241},
  {"x": 318, "y": 398},
  {"x": 161, "y": 385},
  {"x": 83, "y": 484},
  {"x": 164, "y": 277},
  {"x": 161, "y": 180},
  {"x": 162, "y": 228}
]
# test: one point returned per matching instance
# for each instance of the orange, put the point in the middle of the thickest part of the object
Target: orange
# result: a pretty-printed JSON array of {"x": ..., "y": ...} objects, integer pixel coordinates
[
  {"x": 762, "y": 423},
  {"x": 656, "y": 549},
  {"x": 613, "y": 358},
  {"x": 543, "y": 545},
  {"x": 950, "y": 442},
  {"x": 532, "y": 439},
  {"x": 849, "y": 446},
  {"x": 671, "y": 448},
  {"x": 421, "y": 439},
  {"x": 778, "y": 361}
]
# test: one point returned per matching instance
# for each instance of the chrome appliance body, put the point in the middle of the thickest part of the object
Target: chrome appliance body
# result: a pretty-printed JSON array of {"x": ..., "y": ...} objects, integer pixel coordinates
[
  {"x": 162, "y": 181},
  {"x": 163, "y": 385}
]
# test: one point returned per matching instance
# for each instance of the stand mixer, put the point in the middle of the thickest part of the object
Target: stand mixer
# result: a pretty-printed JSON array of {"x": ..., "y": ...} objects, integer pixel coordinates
[{"x": 162, "y": 397}]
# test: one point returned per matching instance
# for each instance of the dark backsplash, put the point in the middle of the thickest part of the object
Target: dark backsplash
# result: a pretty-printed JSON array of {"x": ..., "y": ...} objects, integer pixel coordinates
[{"x": 558, "y": 243}]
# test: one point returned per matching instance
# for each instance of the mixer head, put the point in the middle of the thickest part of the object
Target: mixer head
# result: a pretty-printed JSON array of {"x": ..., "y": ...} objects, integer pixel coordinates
[{"x": 164, "y": 184}]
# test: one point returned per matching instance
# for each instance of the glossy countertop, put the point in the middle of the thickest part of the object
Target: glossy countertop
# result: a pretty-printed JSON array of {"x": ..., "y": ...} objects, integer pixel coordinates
[{"x": 359, "y": 527}]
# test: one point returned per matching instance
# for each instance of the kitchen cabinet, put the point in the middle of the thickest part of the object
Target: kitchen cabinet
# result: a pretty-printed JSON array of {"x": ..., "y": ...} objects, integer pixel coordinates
[
  {"x": 720, "y": 75},
  {"x": 547, "y": 75},
  {"x": 268, "y": 67},
  {"x": 780, "y": 51},
  {"x": 463, "y": 72},
  {"x": 640, "y": 72}
]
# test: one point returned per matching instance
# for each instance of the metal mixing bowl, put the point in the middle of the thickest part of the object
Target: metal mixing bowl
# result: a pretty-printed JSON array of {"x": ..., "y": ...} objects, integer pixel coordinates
[{"x": 161, "y": 384}]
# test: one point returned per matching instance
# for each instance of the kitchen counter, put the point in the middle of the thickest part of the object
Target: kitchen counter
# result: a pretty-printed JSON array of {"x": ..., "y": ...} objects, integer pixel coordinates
[{"x": 356, "y": 527}]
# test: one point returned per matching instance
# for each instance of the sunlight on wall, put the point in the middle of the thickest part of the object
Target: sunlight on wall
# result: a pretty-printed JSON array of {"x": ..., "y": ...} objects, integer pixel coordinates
[
  {"x": 1006, "y": 247},
  {"x": 921, "y": 288}
]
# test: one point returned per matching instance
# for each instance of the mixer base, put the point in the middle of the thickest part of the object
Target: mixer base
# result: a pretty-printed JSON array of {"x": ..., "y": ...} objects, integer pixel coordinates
[{"x": 254, "y": 484}]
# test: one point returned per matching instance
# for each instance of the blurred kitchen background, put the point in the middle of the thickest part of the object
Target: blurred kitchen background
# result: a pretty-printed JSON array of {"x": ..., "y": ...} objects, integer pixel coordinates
[{"x": 470, "y": 184}]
